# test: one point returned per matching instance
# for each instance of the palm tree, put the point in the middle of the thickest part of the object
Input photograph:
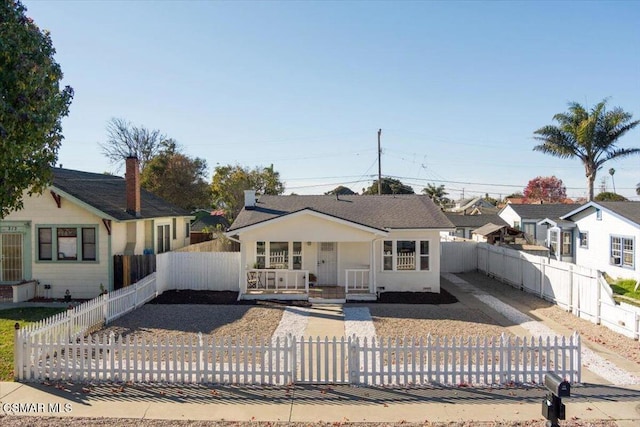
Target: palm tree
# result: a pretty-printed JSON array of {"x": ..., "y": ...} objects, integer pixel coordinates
[
  {"x": 590, "y": 136},
  {"x": 437, "y": 194}
]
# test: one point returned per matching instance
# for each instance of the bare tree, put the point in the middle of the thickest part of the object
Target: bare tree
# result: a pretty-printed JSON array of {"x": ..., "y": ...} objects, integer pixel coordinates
[{"x": 124, "y": 140}]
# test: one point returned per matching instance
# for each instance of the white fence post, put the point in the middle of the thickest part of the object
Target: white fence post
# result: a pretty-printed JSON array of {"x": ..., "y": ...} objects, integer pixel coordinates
[
  {"x": 599, "y": 299},
  {"x": 354, "y": 360},
  {"x": 571, "y": 283},
  {"x": 18, "y": 363},
  {"x": 105, "y": 307}
]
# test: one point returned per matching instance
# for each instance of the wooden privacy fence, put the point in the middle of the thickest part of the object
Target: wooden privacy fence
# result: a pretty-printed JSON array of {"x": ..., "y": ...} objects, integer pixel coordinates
[
  {"x": 128, "y": 269},
  {"x": 471, "y": 361}
]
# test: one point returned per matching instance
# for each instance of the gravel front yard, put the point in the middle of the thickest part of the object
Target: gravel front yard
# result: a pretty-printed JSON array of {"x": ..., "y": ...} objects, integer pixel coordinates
[
  {"x": 158, "y": 321},
  {"x": 447, "y": 320}
]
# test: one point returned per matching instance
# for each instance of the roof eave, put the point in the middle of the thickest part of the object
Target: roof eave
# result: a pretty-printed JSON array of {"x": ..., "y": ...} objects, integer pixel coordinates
[{"x": 84, "y": 205}]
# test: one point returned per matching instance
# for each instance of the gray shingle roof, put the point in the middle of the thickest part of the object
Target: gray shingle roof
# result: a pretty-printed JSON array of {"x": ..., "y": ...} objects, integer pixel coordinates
[
  {"x": 628, "y": 210},
  {"x": 400, "y": 211},
  {"x": 474, "y": 220},
  {"x": 539, "y": 212},
  {"x": 107, "y": 193}
]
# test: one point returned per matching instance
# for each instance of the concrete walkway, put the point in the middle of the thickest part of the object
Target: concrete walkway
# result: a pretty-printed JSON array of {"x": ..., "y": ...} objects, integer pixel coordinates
[
  {"x": 325, "y": 320},
  {"x": 318, "y": 364}
]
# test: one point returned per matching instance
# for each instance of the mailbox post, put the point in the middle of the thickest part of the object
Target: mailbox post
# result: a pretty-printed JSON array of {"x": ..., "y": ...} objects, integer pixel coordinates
[{"x": 552, "y": 407}]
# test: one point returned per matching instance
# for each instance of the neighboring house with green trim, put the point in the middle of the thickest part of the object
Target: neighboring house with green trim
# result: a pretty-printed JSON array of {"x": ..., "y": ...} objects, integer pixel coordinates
[{"x": 67, "y": 236}]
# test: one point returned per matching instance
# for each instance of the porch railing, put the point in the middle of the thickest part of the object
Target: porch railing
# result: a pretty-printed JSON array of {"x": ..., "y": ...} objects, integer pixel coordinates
[
  {"x": 357, "y": 280},
  {"x": 277, "y": 280}
]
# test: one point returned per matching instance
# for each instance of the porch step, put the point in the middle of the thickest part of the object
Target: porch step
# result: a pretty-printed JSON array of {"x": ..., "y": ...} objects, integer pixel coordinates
[{"x": 313, "y": 300}]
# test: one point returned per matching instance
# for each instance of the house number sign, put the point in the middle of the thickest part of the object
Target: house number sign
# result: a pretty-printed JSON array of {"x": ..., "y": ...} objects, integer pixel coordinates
[{"x": 9, "y": 228}]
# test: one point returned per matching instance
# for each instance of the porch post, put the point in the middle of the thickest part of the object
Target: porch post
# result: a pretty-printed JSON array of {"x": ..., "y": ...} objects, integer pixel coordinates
[{"x": 372, "y": 268}]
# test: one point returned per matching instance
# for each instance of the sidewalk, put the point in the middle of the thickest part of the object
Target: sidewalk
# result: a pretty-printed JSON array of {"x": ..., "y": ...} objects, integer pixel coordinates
[
  {"x": 594, "y": 400},
  {"x": 329, "y": 404}
]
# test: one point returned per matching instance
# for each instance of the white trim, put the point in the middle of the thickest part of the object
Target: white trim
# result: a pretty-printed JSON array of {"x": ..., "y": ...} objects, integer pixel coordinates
[
  {"x": 602, "y": 208},
  {"x": 375, "y": 231}
]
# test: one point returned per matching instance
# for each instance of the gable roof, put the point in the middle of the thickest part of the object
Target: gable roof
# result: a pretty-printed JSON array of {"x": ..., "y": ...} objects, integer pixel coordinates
[
  {"x": 400, "y": 211},
  {"x": 542, "y": 211},
  {"x": 107, "y": 194},
  {"x": 628, "y": 210},
  {"x": 474, "y": 220}
]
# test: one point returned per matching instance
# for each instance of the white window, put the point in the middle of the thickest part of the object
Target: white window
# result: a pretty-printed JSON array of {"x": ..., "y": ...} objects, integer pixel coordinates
[
  {"x": 622, "y": 252},
  {"x": 584, "y": 239},
  {"x": 281, "y": 255},
  {"x": 530, "y": 229},
  {"x": 405, "y": 255},
  {"x": 566, "y": 243}
]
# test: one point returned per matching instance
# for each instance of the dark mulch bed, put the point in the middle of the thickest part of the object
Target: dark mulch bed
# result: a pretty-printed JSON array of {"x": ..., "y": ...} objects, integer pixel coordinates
[
  {"x": 199, "y": 297},
  {"x": 229, "y": 297},
  {"x": 443, "y": 297},
  {"x": 215, "y": 297}
]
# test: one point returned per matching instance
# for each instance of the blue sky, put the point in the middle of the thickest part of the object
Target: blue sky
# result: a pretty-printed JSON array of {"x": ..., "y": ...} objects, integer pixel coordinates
[{"x": 456, "y": 87}]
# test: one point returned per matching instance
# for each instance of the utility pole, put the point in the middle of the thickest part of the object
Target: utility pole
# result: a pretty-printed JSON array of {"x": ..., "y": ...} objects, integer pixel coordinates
[{"x": 379, "y": 164}]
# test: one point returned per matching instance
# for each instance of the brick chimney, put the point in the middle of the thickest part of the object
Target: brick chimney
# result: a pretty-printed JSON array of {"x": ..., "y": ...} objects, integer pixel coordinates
[{"x": 132, "y": 178}]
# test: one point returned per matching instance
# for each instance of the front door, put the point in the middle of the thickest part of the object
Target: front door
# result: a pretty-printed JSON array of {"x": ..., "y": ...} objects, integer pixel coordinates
[
  {"x": 328, "y": 263},
  {"x": 11, "y": 259}
]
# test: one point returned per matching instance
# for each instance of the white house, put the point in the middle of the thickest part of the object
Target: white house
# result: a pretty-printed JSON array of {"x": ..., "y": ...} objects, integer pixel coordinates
[
  {"x": 606, "y": 235},
  {"x": 66, "y": 237},
  {"x": 527, "y": 217},
  {"x": 361, "y": 245}
]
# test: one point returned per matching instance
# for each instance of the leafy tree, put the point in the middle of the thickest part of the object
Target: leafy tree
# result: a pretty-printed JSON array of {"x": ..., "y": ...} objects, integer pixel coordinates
[
  {"x": 229, "y": 183},
  {"x": 548, "y": 189},
  {"x": 591, "y": 136},
  {"x": 177, "y": 178},
  {"x": 341, "y": 190},
  {"x": 389, "y": 186},
  {"x": 491, "y": 200},
  {"x": 437, "y": 194},
  {"x": 32, "y": 106},
  {"x": 608, "y": 196},
  {"x": 124, "y": 140}
]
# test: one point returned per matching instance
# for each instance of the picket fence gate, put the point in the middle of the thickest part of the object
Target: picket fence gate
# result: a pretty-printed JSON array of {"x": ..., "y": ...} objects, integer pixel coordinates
[{"x": 252, "y": 361}]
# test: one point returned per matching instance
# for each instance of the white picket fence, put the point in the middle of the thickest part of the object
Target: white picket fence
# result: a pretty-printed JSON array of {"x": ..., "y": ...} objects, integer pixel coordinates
[
  {"x": 581, "y": 290},
  {"x": 62, "y": 347},
  {"x": 474, "y": 361},
  {"x": 91, "y": 315}
]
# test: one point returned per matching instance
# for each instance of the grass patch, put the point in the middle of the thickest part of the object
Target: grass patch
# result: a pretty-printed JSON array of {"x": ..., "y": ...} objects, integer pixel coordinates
[
  {"x": 8, "y": 319},
  {"x": 623, "y": 291},
  {"x": 625, "y": 287}
]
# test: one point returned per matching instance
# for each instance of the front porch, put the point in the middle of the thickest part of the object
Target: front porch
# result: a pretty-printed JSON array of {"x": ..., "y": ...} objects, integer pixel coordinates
[{"x": 286, "y": 284}]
